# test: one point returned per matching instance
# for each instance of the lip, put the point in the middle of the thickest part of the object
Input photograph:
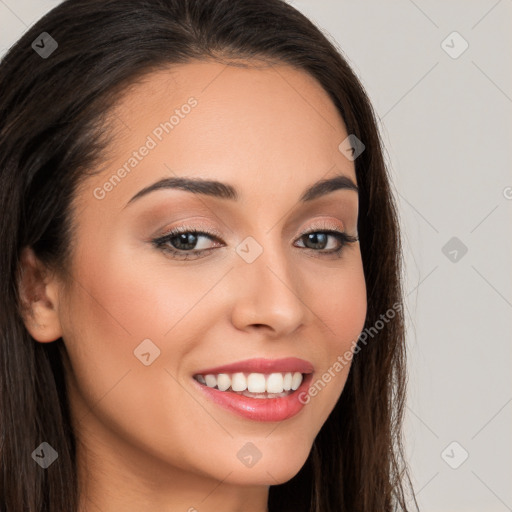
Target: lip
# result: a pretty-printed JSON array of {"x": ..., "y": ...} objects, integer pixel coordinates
[
  {"x": 260, "y": 365},
  {"x": 259, "y": 409}
]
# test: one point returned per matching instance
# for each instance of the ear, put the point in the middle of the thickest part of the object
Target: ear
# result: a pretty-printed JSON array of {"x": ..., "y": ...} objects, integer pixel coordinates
[{"x": 39, "y": 294}]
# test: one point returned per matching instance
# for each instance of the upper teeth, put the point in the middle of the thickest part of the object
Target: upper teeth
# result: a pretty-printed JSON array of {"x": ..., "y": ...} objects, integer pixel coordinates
[{"x": 253, "y": 382}]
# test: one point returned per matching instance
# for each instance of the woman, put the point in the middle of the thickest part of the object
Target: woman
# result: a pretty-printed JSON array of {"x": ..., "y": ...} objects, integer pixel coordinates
[{"x": 201, "y": 300}]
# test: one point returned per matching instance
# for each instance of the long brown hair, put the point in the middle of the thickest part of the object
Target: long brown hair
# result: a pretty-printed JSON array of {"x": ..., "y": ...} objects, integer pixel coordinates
[{"x": 53, "y": 111}]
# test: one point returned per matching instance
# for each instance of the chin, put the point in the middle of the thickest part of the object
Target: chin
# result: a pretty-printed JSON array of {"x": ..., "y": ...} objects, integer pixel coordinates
[{"x": 275, "y": 470}]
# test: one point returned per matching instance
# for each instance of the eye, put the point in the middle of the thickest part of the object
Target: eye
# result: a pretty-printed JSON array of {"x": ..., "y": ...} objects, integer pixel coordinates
[
  {"x": 318, "y": 241},
  {"x": 185, "y": 243},
  {"x": 182, "y": 242}
]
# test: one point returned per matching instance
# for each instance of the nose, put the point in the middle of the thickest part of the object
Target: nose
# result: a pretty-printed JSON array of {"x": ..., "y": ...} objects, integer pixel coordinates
[{"x": 266, "y": 295}]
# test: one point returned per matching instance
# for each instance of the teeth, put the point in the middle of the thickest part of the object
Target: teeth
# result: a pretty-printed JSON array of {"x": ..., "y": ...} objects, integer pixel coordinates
[
  {"x": 275, "y": 383},
  {"x": 238, "y": 382},
  {"x": 223, "y": 381},
  {"x": 287, "y": 382},
  {"x": 211, "y": 380},
  {"x": 258, "y": 383},
  {"x": 296, "y": 380}
]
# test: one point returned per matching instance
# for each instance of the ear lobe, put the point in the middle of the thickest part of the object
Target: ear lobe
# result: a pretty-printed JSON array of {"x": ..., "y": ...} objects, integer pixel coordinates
[{"x": 39, "y": 295}]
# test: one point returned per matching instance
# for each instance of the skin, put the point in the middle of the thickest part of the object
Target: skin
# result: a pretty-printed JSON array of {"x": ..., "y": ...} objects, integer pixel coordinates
[{"x": 148, "y": 440}]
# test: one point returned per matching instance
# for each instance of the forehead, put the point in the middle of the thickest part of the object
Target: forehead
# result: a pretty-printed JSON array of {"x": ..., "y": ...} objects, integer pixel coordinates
[{"x": 255, "y": 125}]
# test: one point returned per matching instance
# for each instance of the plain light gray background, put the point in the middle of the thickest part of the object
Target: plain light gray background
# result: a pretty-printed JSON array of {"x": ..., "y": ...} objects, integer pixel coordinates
[{"x": 446, "y": 124}]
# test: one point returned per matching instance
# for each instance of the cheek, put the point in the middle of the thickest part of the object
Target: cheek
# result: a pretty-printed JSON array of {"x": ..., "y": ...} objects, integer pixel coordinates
[
  {"x": 130, "y": 299},
  {"x": 340, "y": 304},
  {"x": 339, "y": 298},
  {"x": 118, "y": 304}
]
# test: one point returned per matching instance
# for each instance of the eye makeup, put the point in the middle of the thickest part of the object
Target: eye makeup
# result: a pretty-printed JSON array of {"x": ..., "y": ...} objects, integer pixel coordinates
[{"x": 188, "y": 235}]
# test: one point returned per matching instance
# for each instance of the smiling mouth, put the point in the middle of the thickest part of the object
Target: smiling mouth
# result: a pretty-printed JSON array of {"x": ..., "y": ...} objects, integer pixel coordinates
[{"x": 254, "y": 385}]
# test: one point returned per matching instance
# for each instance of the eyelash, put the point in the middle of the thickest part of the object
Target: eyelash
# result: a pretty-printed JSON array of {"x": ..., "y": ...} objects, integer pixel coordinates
[{"x": 160, "y": 242}]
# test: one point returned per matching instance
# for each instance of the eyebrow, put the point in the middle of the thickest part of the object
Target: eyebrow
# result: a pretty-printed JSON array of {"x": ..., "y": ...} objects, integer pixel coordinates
[{"x": 221, "y": 190}]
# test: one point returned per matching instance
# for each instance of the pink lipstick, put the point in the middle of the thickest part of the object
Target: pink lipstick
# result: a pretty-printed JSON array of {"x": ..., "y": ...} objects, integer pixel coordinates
[{"x": 258, "y": 389}]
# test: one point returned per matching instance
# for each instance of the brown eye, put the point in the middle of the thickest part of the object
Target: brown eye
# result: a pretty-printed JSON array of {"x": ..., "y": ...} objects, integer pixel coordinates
[
  {"x": 319, "y": 240},
  {"x": 182, "y": 242}
]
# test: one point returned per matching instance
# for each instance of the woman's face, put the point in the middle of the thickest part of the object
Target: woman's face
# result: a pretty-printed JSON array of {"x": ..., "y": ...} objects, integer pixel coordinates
[{"x": 139, "y": 320}]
